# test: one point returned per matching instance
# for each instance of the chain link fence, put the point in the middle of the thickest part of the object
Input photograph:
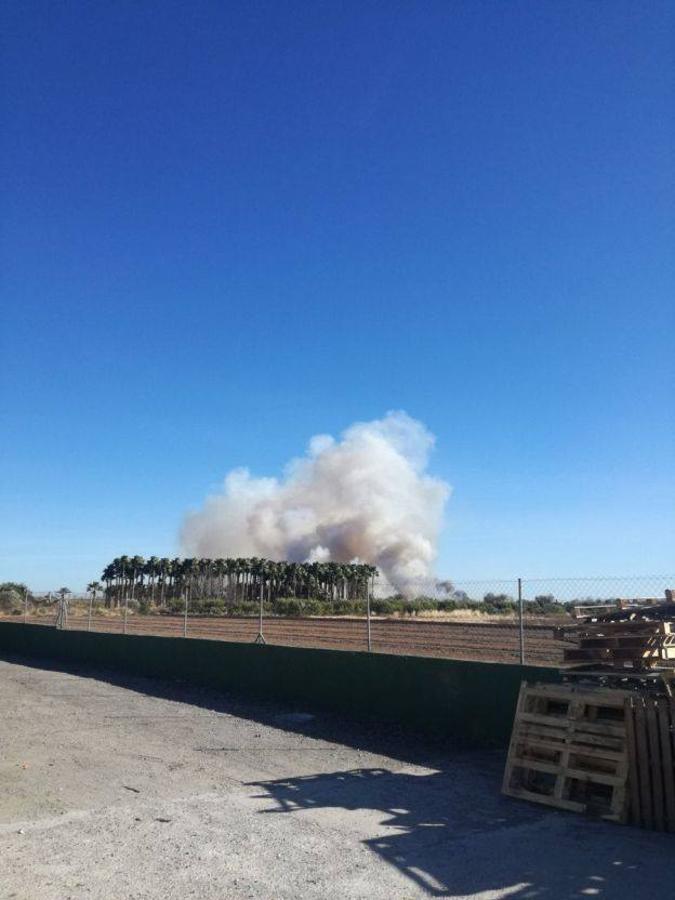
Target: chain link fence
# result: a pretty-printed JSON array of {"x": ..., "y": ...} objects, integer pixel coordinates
[
  {"x": 577, "y": 590},
  {"x": 498, "y": 620}
]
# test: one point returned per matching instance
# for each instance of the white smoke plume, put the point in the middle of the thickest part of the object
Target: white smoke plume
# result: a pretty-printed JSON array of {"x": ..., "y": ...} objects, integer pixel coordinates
[{"x": 366, "y": 497}]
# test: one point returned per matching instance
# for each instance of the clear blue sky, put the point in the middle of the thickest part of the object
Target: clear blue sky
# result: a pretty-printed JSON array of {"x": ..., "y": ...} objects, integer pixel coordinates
[{"x": 229, "y": 226}]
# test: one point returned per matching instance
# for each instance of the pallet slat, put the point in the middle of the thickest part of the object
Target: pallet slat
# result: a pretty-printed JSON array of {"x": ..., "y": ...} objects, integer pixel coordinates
[
  {"x": 654, "y": 745},
  {"x": 633, "y": 774},
  {"x": 651, "y": 722},
  {"x": 602, "y": 728},
  {"x": 601, "y": 750},
  {"x": 666, "y": 735},
  {"x": 588, "y": 695}
]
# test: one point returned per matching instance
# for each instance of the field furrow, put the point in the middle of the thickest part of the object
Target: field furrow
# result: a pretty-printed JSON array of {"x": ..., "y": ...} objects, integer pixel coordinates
[{"x": 486, "y": 641}]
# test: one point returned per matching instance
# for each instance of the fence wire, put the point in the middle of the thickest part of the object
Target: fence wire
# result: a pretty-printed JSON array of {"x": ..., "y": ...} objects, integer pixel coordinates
[{"x": 500, "y": 620}]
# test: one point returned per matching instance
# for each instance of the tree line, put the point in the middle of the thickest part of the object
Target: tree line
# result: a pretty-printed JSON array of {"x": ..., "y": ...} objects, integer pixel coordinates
[{"x": 158, "y": 581}]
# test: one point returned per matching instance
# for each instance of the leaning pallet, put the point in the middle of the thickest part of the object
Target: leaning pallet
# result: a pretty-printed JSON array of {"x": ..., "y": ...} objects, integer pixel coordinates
[
  {"x": 569, "y": 749},
  {"x": 650, "y": 722}
]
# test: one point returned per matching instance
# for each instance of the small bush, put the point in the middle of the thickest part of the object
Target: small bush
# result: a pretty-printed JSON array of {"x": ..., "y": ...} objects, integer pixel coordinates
[
  {"x": 11, "y": 598},
  {"x": 299, "y": 606},
  {"x": 213, "y": 606}
]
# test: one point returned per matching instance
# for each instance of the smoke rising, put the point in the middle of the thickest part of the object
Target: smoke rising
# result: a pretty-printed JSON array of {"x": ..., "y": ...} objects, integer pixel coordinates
[{"x": 365, "y": 497}]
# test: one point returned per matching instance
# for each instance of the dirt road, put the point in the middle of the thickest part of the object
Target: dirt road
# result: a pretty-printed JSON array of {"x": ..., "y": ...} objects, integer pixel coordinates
[{"x": 494, "y": 642}]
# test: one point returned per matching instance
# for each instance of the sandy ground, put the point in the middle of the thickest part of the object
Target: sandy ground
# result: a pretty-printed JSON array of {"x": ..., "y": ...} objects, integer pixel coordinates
[{"x": 134, "y": 788}]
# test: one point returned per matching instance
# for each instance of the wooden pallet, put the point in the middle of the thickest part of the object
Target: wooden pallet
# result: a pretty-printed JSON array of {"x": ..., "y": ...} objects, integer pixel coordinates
[
  {"x": 627, "y": 627},
  {"x": 569, "y": 749},
  {"x": 585, "y": 610},
  {"x": 637, "y": 644},
  {"x": 656, "y": 681},
  {"x": 650, "y": 724}
]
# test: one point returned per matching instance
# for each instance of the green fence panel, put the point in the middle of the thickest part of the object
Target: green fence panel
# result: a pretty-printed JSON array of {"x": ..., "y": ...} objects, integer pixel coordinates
[{"x": 468, "y": 703}]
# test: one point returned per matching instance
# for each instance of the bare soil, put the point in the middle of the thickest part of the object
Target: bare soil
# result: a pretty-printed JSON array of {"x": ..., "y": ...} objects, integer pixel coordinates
[{"x": 487, "y": 641}]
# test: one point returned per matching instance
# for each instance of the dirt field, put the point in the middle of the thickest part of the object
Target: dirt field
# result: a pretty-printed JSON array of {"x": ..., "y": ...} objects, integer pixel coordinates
[
  {"x": 137, "y": 789},
  {"x": 495, "y": 642}
]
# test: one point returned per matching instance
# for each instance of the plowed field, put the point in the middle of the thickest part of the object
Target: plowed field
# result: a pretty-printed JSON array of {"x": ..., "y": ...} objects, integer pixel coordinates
[{"x": 495, "y": 642}]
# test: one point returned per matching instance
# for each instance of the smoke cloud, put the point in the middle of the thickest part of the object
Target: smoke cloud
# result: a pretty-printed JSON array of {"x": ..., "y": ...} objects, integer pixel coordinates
[{"x": 365, "y": 497}]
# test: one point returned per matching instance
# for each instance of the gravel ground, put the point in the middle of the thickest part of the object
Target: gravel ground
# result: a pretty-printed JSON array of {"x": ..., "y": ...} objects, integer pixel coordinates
[{"x": 135, "y": 788}]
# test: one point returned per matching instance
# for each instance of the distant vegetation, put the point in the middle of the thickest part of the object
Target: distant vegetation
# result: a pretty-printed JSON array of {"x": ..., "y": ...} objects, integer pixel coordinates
[
  {"x": 233, "y": 586},
  {"x": 381, "y": 606},
  {"x": 13, "y": 596},
  {"x": 231, "y": 583}
]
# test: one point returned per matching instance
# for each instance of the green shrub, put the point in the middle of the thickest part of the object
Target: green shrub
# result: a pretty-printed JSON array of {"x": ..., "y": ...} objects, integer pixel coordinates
[
  {"x": 243, "y": 608},
  {"x": 299, "y": 606},
  {"x": 396, "y": 605},
  {"x": 175, "y": 605}
]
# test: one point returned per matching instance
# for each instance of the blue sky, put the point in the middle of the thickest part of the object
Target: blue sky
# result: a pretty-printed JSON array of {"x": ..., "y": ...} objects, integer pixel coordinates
[{"x": 228, "y": 227}]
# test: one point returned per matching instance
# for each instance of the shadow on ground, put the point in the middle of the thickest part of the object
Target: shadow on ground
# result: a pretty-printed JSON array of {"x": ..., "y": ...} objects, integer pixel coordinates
[
  {"x": 452, "y": 834},
  {"x": 367, "y": 735},
  {"x": 447, "y": 829}
]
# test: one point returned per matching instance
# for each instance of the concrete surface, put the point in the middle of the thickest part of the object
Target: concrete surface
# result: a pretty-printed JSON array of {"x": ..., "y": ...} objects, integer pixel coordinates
[{"x": 136, "y": 788}]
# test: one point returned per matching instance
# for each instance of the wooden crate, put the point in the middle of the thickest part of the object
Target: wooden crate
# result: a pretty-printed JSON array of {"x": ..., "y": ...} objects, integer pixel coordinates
[
  {"x": 650, "y": 724},
  {"x": 569, "y": 749}
]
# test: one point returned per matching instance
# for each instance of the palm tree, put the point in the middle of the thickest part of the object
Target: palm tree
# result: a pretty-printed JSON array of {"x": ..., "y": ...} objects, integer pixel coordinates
[
  {"x": 107, "y": 577},
  {"x": 176, "y": 570},
  {"x": 137, "y": 565},
  {"x": 151, "y": 569},
  {"x": 219, "y": 570},
  {"x": 164, "y": 569},
  {"x": 205, "y": 576},
  {"x": 93, "y": 588},
  {"x": 237, "y": 579},
  {"x": 189, "y": 572},
  {"x": 122, "y": 570},
  {"x": 231, "y": 570},
  {"x": 239, "y": 570}
]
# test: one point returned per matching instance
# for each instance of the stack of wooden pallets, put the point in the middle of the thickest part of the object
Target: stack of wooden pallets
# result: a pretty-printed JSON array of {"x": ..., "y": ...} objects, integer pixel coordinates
[
  {"x": 604, "y": 741},
  {"x": 587, "y": 610},
  {"x": 632, "y": 638},
  {"x": 607, "y": 607},
  {"x": 634, "y": 643},
  {"x": 569, "y": 749}
]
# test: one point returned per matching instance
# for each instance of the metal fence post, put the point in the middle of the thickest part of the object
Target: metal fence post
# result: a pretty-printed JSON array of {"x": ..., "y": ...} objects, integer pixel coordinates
[
  {"x": 25, "y": 606},
  {"x": 185, "y": 617},
  {"x": 91, "y": 603},
  {"x": 260, "y": 639},
  {"x": 370, "y": 643},
  {"x": 521, "y": 624},
  {"x": 126, "y": 613}
]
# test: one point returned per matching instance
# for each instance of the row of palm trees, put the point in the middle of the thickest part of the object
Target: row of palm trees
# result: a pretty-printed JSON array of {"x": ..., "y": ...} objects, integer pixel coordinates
[{"x": 158, "y": 580}]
